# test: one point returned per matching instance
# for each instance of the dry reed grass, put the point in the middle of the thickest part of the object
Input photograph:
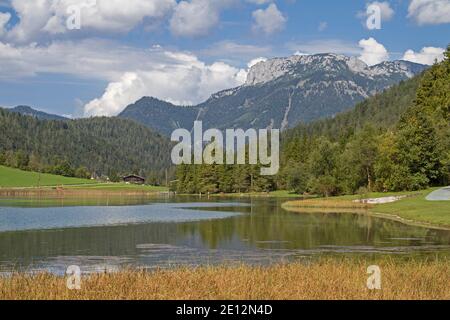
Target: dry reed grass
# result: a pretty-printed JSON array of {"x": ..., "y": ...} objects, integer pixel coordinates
[
  {"x": 329, "y": 279},
  {"x": 326, "y": 204}
]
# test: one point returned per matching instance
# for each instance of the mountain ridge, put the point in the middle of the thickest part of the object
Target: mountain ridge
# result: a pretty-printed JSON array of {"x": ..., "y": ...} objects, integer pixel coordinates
[
  {"x": 280, "y": 93},
  {"x": 29, "y": 111}
]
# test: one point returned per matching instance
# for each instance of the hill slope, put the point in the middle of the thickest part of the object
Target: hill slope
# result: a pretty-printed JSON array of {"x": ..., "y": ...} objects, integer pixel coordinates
[
  {"x": 103, "y": 145},
  {"x": 28, "y": 111},
  {"x": 380, "y": 111},
  {"x": 11, "y": 178}
]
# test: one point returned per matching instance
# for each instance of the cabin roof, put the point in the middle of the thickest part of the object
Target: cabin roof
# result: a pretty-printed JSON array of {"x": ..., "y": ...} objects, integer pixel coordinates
[{"x": 133, "y": 176}]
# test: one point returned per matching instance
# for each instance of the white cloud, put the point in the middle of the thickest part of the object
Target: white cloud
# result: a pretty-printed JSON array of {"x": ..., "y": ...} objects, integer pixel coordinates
[
  {"x": 49, "y": 17},
  {"x": 131, "y": 72},
  {"x": 372, "y": 52},
  {"x": 268, "y": 21},
  {"x": 129, "y": 88},
  {"x": 428, "y": 55},
  {"x": 196, "y": 17},
  {"x": 429, "y": 11},
  {"x": 4, "y": 18},
  {"x": 185, "y": 84}
]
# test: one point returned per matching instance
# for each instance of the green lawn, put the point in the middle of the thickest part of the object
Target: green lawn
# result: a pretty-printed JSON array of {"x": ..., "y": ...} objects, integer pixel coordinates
[
  {"x": 13, "y": 178},
  {"x": 417, "y": 208}
]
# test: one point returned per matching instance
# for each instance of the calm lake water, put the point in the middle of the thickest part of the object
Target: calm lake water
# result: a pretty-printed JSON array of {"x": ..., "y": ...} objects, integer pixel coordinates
[{"x": 109, "y": 233}]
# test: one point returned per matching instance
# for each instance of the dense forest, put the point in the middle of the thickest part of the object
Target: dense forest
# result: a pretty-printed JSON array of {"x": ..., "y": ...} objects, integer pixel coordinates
[
  {"x": 96, "y": 146},
  {"x": 396, "y": 140}
]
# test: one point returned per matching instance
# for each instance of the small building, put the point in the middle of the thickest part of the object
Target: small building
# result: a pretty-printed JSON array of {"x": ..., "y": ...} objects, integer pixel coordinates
[{"x": 135, "y": 179}]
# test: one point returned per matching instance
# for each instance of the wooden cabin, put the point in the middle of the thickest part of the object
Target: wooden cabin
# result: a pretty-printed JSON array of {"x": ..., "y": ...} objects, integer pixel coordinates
[{"x": 134, "y": 179}]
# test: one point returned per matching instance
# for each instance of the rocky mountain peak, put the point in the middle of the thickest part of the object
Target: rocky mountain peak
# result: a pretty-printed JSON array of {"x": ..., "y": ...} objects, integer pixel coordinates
[{"x": 272, "y": 69}]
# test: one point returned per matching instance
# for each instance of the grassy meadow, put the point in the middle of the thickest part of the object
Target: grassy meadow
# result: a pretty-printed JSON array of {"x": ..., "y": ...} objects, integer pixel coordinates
[
  {"x": 11, "y": 179},
  {"x": 15, "y": 178},
  {"x": 417, "y": 208},
  {"x": 326, "y": 279}
]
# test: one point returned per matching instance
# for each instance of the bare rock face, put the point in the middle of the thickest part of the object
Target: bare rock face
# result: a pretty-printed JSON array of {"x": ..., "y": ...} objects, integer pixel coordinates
[{"x": 266, "y": 71}]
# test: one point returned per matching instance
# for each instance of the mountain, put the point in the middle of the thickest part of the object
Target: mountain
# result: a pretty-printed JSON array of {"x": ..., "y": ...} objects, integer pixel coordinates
[
  {"x": 102, "y": 145},
  {"x": 281, "y": 93},
  {"x": 159, "y": 115},
  {"x": 28, "y": 111}
]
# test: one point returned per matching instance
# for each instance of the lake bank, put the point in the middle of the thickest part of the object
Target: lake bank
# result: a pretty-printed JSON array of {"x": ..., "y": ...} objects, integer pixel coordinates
[
  {"x": 92, "y": 190},
  {"x": 328, "y": 279},
  {"x": 411, "y": 207}
]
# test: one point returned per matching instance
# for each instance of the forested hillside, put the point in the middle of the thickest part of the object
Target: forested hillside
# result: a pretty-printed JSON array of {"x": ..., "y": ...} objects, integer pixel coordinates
[
  {"x": 396, "y": 140},
  {"x": 380, "y": 111},
  {"x": 104, "y": 146}
]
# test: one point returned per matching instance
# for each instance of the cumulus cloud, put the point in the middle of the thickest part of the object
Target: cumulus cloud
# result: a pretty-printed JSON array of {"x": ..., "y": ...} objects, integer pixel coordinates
[
  {"x": 429, "y": 11},
  {"x": 428, "y": 55},
  {"x": 269, "y": 20},
  {"x": 50, "y": 17},
  {"x": 196, "y": 17},
  {"x": 174, "y": 76},
  {"x": 118, "y": 94},
  {"x": 186, "y": 84},
  {"x": 372, "y": 52}
]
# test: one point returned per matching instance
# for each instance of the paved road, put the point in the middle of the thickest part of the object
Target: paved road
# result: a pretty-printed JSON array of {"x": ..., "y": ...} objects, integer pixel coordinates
[{"x": 439, "y": 195}]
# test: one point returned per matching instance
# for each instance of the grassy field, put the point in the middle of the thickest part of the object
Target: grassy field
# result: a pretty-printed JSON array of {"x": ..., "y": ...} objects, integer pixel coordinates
[
  {"x": 14, "y": 178},
  {"x": 417, "y": 208},
  {"x": 414, "y": 208},
  {"x": 328, "y": 279}
]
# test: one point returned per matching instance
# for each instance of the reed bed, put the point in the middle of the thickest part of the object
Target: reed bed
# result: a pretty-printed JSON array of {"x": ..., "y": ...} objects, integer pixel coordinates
[
  {"x": 331, "y": 279},
  {"x": 326, "y": 204}
]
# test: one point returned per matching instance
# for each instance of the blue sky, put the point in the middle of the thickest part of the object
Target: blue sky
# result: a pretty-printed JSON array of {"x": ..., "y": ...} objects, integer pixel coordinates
[{"x": 183, "y": 51}]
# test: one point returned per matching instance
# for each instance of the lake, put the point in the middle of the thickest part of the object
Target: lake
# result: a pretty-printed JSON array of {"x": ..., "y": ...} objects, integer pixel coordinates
[{"x": 110, "y": 233}]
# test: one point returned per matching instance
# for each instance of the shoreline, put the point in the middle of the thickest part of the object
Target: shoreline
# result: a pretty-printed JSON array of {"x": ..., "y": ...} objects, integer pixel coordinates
[
  {"x": 410, "y": 209},
  {"x": 68, "y": 191}
]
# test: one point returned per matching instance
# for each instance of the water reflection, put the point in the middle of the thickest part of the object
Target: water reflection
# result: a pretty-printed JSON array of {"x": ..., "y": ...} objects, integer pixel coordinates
[{"x": 260, "y": 233}]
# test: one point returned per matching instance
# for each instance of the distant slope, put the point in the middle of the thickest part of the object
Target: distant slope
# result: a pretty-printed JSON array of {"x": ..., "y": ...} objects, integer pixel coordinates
[
  {"x": 280, "y": 93},
  {"x": 159, "y": 115},
  {"x": 28, "y": 111},
  {"x": 11, "y": 178},
  {"x": 102, "y": 145}
]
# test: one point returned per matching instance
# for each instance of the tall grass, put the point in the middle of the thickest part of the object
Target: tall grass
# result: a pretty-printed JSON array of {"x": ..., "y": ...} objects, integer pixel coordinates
[{"x": 326, "y": 279}]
